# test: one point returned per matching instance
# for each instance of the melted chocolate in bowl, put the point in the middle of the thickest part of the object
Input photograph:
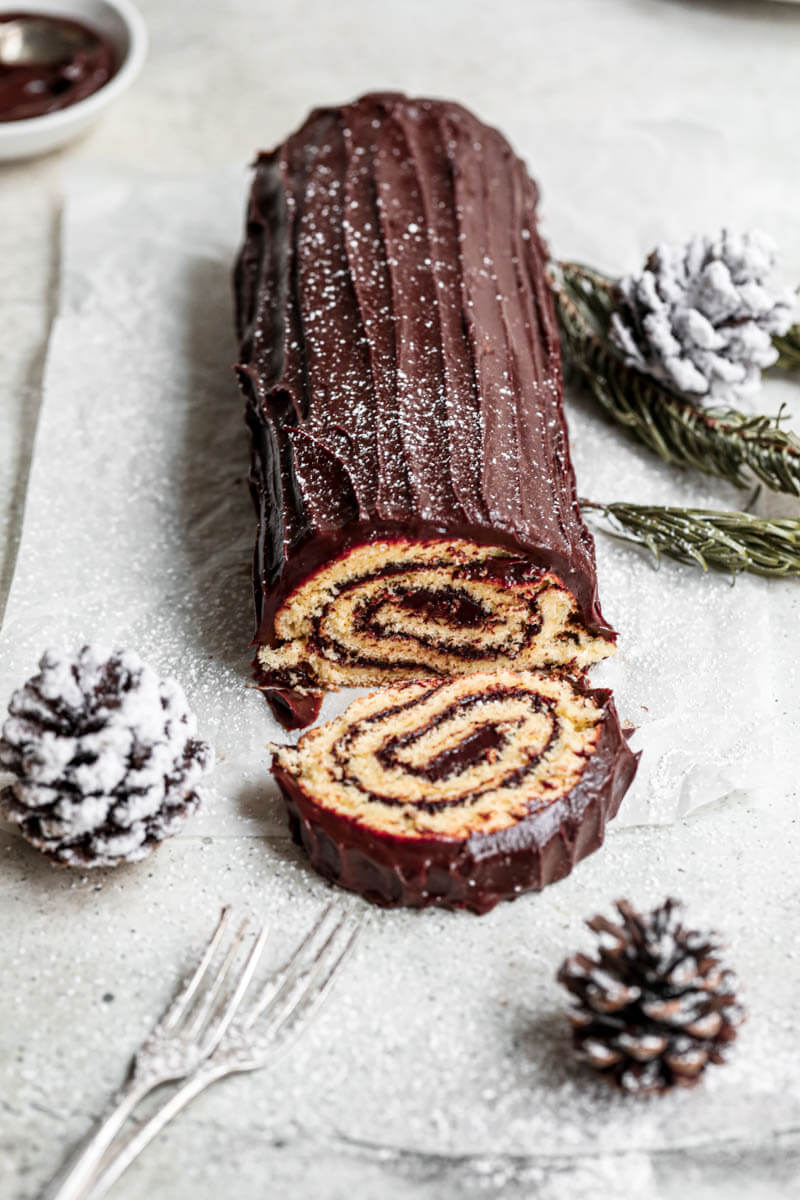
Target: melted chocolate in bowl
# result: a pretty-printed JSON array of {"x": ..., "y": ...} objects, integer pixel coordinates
[{"x": 35, "y": 88}]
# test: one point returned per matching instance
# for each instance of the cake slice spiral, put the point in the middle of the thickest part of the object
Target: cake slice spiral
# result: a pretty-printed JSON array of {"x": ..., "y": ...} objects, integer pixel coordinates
[
  {"x": 458, "y": 792},
  {"x": 396, "y": 609}
]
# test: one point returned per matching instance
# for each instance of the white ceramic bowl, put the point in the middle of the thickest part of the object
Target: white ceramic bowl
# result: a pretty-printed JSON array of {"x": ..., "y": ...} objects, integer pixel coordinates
[{"x": 125, "y": 29}]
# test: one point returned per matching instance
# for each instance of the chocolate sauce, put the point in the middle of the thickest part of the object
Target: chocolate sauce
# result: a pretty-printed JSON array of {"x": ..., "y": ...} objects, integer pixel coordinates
[
  {"x": 34, "y": 89},
  {"x": 399, "y": 349}
]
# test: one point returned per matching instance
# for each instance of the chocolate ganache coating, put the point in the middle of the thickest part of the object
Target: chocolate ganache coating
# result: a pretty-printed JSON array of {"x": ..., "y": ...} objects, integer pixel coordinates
[
  {"x": 400, "y": 356},
  {"x": 458, "y": 793}
]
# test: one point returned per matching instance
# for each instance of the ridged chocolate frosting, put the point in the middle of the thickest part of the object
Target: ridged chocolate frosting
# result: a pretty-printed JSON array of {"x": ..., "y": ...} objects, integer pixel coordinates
[{"x": 399, "y": 348}]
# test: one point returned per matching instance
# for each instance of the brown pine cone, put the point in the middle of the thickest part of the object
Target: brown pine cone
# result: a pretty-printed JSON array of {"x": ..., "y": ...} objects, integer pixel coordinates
[
  {"x": 657, "y": 1006},
  {"x": 105, "y": 756}
]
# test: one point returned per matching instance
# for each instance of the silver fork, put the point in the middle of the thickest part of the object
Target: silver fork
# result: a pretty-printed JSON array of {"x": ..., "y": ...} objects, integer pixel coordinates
[{"x": 202, "y": 1038}]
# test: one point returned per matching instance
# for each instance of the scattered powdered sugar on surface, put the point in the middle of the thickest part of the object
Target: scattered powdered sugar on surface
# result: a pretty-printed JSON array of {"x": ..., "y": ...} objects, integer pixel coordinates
[{"x": 443, "y": 1047}]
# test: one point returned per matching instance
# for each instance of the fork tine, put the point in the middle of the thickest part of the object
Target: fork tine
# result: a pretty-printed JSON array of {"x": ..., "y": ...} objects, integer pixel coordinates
[
  {"x": 208, "y": 1001},
  {"x": 181, "y": 1003},
  {"x": 220, "y": 1024},
  {"x": 316, "y": 988},
  {"x": 302, "y": 980},
  {"x": 277, "y": 980}
]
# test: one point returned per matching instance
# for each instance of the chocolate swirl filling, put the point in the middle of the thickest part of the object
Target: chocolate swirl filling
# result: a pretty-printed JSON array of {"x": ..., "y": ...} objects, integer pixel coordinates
[{"x": 402, "y": 609}]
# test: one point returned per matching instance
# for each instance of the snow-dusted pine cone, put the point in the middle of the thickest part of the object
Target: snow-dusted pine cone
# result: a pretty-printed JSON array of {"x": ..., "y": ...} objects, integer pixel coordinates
[
  {"x": 700, "y": 317},
  {"x": 105, "y": 755},
  {"x": 657, "y": 1006}
]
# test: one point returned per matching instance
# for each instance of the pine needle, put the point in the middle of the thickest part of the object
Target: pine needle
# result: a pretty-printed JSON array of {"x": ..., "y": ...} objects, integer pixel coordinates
[
  {"x": 718, "y": 441},
  {"x": 709, "y": 538},
  {"x": 788, "y": 347}
]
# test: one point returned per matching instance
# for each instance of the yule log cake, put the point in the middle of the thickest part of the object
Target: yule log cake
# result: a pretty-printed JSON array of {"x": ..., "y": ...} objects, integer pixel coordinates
[
  {"x": 458, "y": 792},
  {"x": 400, "y": 360}
]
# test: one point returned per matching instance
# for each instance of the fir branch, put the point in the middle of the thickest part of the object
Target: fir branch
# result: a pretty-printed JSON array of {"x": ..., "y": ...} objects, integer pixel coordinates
[
  {"x": 788, "y": 346},
  {"x": 722, "y": 442},
  {"x": 709, "y": 538}
]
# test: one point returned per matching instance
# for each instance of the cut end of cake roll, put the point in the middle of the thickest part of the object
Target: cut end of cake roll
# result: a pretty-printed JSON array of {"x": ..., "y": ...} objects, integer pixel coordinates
[
  {"x": 396, "y": 609},
  {"x": 458, "y": 792}
]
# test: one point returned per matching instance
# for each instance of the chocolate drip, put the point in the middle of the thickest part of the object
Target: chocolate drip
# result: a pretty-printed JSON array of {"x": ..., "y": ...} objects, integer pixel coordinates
[
  {"x": 399, "y": 349},
  {"x": 295, "y": 709}
]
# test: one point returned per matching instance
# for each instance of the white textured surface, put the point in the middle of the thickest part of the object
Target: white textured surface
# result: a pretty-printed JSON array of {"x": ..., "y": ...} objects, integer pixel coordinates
[{"x": 438, "y": 1067}]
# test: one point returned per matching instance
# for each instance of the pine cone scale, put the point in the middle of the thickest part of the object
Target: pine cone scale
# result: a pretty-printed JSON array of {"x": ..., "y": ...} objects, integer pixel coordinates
[
  {"x": 642, "y": 1046},
  {"x": 598, "y": 1054},
  {"x": 689, "y": 1063}
]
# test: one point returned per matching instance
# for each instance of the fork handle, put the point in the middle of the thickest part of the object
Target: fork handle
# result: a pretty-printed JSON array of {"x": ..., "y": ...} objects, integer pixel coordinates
[
  {"x": 75, "y": 1181},
  {"x": 118, "y": 1161}
]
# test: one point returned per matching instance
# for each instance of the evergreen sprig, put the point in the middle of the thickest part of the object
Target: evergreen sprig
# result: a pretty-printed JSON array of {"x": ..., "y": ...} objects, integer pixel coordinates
[
  {"x": 709, "y": 538},
  {"x": 718, "y": 441},
  {"x": 788, "y": 346}
]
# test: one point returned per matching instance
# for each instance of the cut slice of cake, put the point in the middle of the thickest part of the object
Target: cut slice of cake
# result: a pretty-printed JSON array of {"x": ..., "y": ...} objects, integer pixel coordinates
[{"x": 458, "y": 792}]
